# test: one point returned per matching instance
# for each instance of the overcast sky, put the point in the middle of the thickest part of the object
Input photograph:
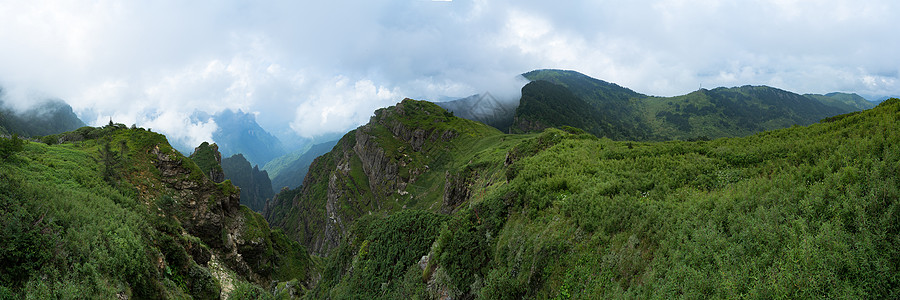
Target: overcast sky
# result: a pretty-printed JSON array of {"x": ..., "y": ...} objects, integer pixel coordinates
[{"x": 308, "y": 68}]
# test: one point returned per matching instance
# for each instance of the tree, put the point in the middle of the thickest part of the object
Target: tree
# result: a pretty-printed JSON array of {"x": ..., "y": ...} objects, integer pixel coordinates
[{"x": 11, "y": 145}]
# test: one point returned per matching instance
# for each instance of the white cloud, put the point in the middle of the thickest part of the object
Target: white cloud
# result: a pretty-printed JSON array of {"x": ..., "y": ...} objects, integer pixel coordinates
[
  {"x": 312, "y": 68},
  {"x": 341, "y": 103}
]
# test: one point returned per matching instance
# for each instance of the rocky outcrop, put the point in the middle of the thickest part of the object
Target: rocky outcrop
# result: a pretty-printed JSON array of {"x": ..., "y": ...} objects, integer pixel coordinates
[
  {"x": 208, "y": 158},
  {"x": 456, "y": 191},
  {"x": 256, "y": 188},
  {"x": 212, "y": 213},
  {"x": 368, "y": 167}
]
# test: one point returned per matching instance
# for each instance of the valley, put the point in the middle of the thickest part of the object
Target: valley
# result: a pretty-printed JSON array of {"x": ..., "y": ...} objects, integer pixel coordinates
[{"x": 585, "y": 189}]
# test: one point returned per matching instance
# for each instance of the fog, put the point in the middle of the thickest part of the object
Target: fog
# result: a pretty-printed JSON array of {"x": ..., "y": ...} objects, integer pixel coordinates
[{"x": 310, "y": 69}]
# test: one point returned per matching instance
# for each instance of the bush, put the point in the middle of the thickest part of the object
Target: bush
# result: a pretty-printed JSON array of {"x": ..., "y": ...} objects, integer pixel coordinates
[{"x": 11, "y": 145}]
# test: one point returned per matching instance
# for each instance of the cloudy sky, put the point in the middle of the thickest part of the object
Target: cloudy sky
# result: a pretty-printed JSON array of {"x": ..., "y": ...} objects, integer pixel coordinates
[{"x": 308, "y": 68}]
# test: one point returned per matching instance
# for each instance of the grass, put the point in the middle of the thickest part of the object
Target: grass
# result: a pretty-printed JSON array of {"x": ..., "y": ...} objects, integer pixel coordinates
[{"x": 800, "y": 212}]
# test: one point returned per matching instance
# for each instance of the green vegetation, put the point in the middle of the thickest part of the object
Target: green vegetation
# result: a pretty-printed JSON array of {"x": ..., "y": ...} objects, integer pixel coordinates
[
  {"x": 801, "y": 212},
  {"x": 290, "y": 170},
  {"x": 621, "y": 114},
  {"x": 10, "y": 145},
  {"x": 208, "y": 158},
  {"x": 545, "y": 104},
  {"x": 379, "y": 258},
  {"x": 47, "y": 117},
  {"x": 422, "y": 204},
  {"x": 119, "y": 213},
  {"x": 844, "y": 101}
]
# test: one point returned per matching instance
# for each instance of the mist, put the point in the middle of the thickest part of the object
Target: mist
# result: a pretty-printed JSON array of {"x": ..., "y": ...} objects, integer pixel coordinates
[{"x": 309, "y": 70}]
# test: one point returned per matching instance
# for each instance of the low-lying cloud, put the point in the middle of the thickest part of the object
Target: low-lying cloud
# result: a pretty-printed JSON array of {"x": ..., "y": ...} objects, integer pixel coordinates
[{"x": 309, "y": 69}]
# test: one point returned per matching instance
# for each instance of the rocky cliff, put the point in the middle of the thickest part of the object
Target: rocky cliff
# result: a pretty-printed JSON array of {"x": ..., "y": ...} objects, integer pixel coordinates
[
  {"x": 129, "y": 216},
  {"x": 256, "y": 188},
  {"x": 237, "y": 238},
  {"x": 374, "y": 169}
]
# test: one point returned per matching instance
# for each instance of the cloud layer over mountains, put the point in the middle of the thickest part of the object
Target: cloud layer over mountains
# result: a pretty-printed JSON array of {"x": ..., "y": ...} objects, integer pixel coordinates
[{"x": 311, "y": 68}]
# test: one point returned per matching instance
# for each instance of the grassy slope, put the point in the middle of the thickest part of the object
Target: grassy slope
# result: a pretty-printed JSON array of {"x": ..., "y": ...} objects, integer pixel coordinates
[
  {"x": 94, "y": 218},
  {"x": 848, "y": 102},
  {"x": 301, "y": 213},
  {"x": 731, "y": 112},
  {"x": 797, "y": 212},
  {"x": 703, "y": 114},
  {"x": 290, "y": 170}
]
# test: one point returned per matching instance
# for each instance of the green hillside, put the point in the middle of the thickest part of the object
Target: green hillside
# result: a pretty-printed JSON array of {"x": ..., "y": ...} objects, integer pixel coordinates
[
  {"x": 730, "y": 112},
  {"x": 395, "y": 162},
  {"x": 48, "y": 117},
  {"x": 119, "y": 214},
  {"x": 844, "y": 101},
  {"x": 422, "y": 204},
  {"x": 616, "y": 103},
  {"x": 545, "y": 105},
  {"x": 290, "y": 170},
  {"x": 801, "y": 212},
  {"x": 622, "y": 114}
]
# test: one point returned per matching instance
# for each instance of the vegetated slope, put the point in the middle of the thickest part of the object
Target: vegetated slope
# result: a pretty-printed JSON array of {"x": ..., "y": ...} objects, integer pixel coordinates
[
  {"x": 484, "y": 108},
  {"x": 545, "y": 105},
  {"x": 290, "y": 172},
  {"x": 800, "y": 212},
  {"x": 120, "y": 214},
  {"x": 398, "y": 160},
  {"x": 844, "y": 101},
  {"x": 731, "y": 112},
  {"x": 613, "y": 101},
  {"x": 49, "y": 117},
  {"x": 255, "y": 186},
  {"x": 209, "y": 160},
  {"x": 703, "y": 114}
]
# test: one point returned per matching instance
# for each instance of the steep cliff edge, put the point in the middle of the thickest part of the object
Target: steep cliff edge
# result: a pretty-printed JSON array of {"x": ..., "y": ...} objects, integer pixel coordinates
[
  {"x": 256, "y": 188},
  {"x": 398, "y": 160},
  {"x": 121, "y": 214}
]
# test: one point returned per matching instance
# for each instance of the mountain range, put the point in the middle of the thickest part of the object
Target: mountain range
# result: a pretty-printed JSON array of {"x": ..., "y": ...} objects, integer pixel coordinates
[
  {"x": 238, "y": 132},
  {"x": 556, "y": 98},
  {"x": 421, "y": 203},
  {"x": 598, "y": 192},
  {"x": 484, "y": 108},
  {"x": 50, "y": 116}
]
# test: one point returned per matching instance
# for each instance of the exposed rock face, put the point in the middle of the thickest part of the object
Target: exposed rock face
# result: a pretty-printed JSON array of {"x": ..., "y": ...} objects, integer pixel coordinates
[
  {"x": 256, "y": 188},
  {"x": 456, "y": 191},
  {"x": 212, "y": 214},
  {"x": 369, "y": 166}
]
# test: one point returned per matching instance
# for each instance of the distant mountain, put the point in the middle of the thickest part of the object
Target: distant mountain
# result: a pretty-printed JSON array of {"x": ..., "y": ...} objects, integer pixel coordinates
[
  {"x": 289, "y": 170},
  {"x": 731, "y": 112},
  {"x": 421, "y": 204},
  {"x": 622, "y": 114},
  {"x": 546, "y": 104},
  {"x": 255, "y": 186},
  {"x": 595, "y": 91},
  {"x": 484, "y": 108},
  {"x": 49, "y": 117},
  {"x": 238, "y": 132},
  {"x": 844, "y": 101},
  {"x": 614, "y": 101}
]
